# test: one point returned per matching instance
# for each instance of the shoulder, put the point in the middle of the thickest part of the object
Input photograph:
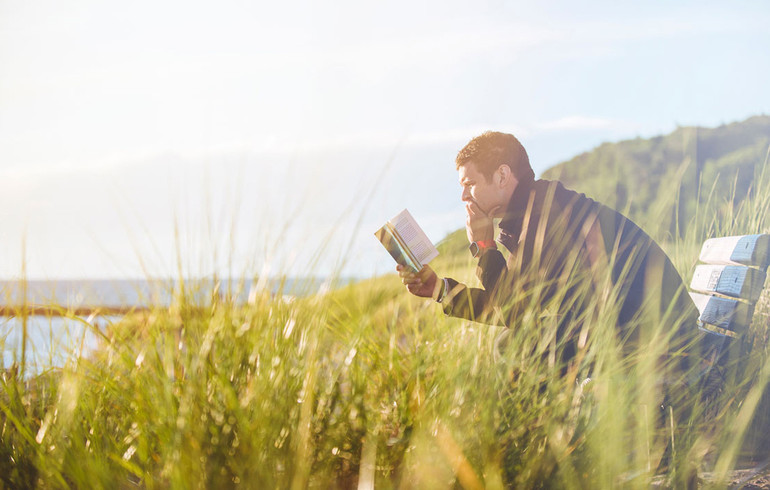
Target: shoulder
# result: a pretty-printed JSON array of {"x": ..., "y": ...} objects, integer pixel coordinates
[
  {"x": 553, "y": 194},
  {"x": 581, "y": 207},
  {"x": 544, "y": 187}
]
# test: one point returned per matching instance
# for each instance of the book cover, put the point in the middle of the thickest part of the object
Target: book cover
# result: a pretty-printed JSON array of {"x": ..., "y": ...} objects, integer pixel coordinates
[{"x": 406, "y": 242}]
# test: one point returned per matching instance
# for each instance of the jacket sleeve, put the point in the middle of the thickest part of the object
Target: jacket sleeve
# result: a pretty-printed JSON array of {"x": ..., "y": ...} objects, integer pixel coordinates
[
  {"x": 477, "y": 304},
  {"x": 491, "y": 267}
]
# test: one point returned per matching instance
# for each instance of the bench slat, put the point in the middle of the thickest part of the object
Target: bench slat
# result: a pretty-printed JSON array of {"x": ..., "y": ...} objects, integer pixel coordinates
[
  {"x": 731, "y": 280},
  {"x": 751, "y": 250},
  {"x": 724, "y": 313}
]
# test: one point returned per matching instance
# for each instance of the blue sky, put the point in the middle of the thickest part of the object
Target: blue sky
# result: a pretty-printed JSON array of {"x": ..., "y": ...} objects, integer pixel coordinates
[{"x": 240, "y": 134}]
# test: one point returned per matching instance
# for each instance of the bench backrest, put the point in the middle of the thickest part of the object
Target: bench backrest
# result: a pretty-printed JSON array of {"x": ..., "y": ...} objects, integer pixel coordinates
[{"x": 728, "y": 283}]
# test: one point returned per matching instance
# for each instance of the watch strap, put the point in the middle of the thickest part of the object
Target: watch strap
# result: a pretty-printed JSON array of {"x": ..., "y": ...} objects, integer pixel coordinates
[
  {"x": 477, "y": 247},
  {"x": 444, "y": 290}
]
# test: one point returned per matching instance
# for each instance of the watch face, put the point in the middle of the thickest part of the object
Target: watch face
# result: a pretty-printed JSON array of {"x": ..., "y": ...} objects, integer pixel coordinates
[{"x": 474, "y": 248}]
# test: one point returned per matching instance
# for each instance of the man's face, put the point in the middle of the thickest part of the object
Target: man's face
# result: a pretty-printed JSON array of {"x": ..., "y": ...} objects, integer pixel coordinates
[{"x": 488, "y": 194}]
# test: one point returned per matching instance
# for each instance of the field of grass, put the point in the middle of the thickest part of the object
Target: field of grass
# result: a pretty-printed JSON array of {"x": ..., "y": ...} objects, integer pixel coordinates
[{"x": 366, "y": 386}]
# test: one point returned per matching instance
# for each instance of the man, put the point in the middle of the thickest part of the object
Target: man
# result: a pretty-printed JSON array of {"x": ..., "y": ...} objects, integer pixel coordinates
[{"x": 568, "y": 256}]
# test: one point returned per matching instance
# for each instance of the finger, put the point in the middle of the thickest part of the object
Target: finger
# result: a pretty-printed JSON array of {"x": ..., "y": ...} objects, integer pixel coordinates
[
  {"x": 411, "y": 280},
  {"x": 414, "y": 288},
  {"x": 408, "y": 276},
  {"x": 406, "y": 273},
  {"x": 475, "y": 211}
]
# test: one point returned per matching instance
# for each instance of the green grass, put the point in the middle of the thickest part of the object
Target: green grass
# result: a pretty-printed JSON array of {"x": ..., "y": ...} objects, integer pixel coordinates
[{"x": 368, "y": 384}]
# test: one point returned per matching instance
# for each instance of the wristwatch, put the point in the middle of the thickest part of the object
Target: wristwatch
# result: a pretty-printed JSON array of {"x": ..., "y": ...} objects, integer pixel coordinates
[{"x": 477, "y": 247}]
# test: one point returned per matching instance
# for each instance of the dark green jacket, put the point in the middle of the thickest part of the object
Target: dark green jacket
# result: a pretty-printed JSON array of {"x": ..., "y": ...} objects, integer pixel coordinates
[{"x": 567, "y": 254}]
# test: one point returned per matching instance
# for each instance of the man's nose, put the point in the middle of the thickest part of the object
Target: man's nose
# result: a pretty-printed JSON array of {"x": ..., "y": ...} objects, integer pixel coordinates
[{"x": 466, "y": 195}]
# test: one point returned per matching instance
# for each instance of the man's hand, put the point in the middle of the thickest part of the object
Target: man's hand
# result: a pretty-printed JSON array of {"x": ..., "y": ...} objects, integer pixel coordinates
[
  {"x": 478, "y": 224},
  {"x": 424, "y": 284}
]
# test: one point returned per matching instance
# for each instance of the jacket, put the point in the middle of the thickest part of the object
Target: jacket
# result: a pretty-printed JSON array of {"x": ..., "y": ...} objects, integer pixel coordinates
[{"x": 570, "y": 256}]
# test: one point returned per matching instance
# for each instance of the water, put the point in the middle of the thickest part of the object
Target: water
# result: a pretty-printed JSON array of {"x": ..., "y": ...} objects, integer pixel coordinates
[{"x": 53, "y": 340}]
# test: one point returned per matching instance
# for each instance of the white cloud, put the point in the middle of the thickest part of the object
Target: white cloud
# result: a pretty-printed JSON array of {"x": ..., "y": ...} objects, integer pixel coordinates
[
  {"x": 577, "y": 123},
  {"x": 290, "y": 144}
]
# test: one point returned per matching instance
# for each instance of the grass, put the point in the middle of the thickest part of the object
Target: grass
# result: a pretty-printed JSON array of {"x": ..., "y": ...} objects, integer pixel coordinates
[{"x": 366, "y": 385}]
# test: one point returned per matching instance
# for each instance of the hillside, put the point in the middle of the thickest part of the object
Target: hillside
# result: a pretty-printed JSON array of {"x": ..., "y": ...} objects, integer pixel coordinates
[
  {"x": 643, "y": 176},
  {"x": 660, "y": 182},
  {"x": 663, "y": 183}
]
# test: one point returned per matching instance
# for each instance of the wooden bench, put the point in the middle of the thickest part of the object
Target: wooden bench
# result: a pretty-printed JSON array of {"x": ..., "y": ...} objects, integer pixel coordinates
[{"x": 728, "y": 283}]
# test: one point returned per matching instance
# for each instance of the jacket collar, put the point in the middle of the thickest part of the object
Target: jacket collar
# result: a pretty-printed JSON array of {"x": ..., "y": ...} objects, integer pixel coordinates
[{"x": 517, "y": 207}]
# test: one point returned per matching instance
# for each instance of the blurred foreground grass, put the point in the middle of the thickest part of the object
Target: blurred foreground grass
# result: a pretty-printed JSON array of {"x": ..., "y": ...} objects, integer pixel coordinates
[{"x": 365, "y": 386}]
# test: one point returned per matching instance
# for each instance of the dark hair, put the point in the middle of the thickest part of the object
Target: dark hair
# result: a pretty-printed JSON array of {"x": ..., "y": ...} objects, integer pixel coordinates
[{"x": 492, "y": 149}]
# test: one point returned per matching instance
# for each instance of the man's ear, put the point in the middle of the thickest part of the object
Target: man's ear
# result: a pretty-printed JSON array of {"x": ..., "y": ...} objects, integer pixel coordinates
[{"x": 504, "y": 176}]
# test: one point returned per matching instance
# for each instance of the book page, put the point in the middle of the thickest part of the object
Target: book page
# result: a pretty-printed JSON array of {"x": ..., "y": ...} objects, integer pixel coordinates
[
  {"x": 414, "y": 237},
  {"x": 395, "y": 248}
]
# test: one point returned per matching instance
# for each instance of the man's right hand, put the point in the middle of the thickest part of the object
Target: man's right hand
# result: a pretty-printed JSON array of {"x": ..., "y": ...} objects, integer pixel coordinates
[
  {"x": 478, "y": 224},
  {"x": 423, "y": 284}
]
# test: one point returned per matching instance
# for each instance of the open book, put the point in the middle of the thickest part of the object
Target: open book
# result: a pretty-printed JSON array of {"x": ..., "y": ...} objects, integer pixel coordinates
[{"x": 403, "y": 238}]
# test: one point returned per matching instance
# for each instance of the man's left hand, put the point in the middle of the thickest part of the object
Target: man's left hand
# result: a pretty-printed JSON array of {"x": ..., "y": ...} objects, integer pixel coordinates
[{"x": 424, "y": 284}]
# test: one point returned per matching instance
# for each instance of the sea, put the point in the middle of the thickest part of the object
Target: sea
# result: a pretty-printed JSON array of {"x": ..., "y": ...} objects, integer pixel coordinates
[{"x": 53, "y": 341}]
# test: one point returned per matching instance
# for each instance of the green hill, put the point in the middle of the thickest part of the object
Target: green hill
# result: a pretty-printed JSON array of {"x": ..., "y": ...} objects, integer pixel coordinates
[
  {"x": 641, "y": 177},
  {"x": 681, "y": 188},
  {"x": 662, "y": 182}
]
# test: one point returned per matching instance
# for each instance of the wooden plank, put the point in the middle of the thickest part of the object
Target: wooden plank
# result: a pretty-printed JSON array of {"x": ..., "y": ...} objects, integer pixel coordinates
[
  {"x": 724, "y": 313},
  {"x": 730, "y": 280},
  {"x": 751, "y": 250},
  {"x": 720, "y": 332}
]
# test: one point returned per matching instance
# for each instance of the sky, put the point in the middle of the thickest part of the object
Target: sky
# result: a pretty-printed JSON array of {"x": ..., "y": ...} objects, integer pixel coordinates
[{"x": 158, "y": 138}]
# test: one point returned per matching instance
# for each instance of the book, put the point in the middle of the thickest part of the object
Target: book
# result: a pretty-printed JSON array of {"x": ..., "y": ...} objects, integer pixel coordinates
[
  {"x": 406, "y": 242},
  {"x": 750, "y": 250}
]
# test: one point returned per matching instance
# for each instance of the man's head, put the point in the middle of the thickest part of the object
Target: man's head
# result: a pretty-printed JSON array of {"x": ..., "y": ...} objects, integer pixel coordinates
[{"x": 491, "y": 166}]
